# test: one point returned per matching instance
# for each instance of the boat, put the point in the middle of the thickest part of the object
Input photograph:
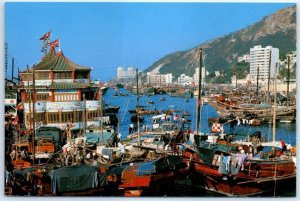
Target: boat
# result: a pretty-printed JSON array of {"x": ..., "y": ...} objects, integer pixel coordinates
[
  {"x": 111, "y": 109},
  {"x": 143, "y": 178},
  {"x": 218, "y": 170},
  {"x": 232, "y": 169},
  {"x": 162, "y": 99}
]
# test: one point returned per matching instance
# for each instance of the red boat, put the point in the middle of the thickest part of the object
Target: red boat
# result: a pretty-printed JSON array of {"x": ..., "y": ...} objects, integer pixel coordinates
[
  {"x": 144, "y": 178},
  {"x": 220, "y": 170}
]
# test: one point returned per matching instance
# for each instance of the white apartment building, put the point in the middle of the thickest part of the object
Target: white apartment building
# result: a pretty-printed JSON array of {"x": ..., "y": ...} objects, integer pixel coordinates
[
  {"x": 129, "y": 73},
  {"x": 159, "y": 78},
  {"x": 196, "y": 75},
  {"x": 260, "y": 59},
  {"x": 184, "y": 79}
]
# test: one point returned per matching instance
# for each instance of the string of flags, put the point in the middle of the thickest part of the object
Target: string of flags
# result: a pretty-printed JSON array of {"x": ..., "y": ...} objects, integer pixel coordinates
[{"x": 46, "y": 42}]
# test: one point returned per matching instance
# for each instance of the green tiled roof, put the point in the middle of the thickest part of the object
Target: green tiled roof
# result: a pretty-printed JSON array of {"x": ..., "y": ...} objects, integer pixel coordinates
[
  {"x": 68, "y": 85},
  {"x": 58, "y": 62}
]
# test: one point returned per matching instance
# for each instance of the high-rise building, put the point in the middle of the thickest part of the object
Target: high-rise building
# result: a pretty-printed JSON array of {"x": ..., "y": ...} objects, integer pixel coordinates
[
  {"x": 159, "y": 78},
  {"x": 264, "y": 60},
  {"x": 196, "y": 75},
  {"x": 185, "y": 80},
  {"x": 124, "y": 74}
]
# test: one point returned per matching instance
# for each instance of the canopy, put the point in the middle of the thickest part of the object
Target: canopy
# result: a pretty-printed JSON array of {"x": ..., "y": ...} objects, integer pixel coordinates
[{"x": 76, "y": 178}]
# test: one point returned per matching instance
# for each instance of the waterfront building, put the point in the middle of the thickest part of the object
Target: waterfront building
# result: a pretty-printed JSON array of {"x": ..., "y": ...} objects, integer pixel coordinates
[
  {"x": 62, "y": 93},
  {"x": 260, "y": 59},
  {"x": 159, "y": 78},
  {"x": 126, "y": 74},
  {"x": 196, "y": 75},
  {"x": 185, "y": 80}
]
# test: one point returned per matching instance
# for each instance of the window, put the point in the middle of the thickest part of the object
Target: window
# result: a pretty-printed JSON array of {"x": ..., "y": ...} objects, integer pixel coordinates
[
  {"x": 43, "y": 97},
  {"x": 42, "y": 75},
  {"x": 62, "y": 75},
  {"x": 53, "y": 117},
  {"x": 81, "y": 75}
]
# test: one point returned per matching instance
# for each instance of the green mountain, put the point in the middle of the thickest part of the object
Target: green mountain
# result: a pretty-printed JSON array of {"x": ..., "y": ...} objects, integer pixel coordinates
[{"x": 277, "y": 30}]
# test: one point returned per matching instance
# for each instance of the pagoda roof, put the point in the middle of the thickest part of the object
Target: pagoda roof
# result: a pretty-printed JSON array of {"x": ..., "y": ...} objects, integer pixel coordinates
[{"x": 58, "y": 62}]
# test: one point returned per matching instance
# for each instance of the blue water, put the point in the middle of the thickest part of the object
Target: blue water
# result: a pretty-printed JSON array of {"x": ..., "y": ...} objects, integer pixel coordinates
[
  {"x": 285, "y": 131},
  {"x": 185, "y": 187}
]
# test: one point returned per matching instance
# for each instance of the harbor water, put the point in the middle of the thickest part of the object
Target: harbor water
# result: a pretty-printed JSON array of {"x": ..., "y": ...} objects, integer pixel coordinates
[
  {"x": 185, "y": 187},
  {"x": 285, "y": 131}
]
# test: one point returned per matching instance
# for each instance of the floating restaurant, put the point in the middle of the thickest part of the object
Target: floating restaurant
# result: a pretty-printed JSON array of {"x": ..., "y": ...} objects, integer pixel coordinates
[{"x": 62, "y": 92}]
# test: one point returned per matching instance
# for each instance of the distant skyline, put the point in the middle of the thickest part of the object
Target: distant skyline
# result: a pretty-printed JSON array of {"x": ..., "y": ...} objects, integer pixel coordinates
[{"x": 107, "y": 35}]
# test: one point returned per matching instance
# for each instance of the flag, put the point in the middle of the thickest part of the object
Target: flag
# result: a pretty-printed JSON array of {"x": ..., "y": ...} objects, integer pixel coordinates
[
  {"x": 46, "y": 36},
  {"x": 54, "y": 43}
]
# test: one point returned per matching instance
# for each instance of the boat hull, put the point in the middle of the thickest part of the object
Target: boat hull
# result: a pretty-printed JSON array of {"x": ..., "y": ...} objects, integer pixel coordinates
[{"x": 246, "y": 183}]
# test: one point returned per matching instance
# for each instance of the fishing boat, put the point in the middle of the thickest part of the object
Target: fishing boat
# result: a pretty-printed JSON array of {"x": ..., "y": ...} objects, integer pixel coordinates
[
  {"x": 143, "y": 178},
  {"x": 236, "y": 170},
  {"x": 111, "y": 109}
]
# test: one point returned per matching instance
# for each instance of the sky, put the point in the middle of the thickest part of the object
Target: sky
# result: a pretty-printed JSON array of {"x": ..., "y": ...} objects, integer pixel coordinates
[{"x": 107, "y": 35}]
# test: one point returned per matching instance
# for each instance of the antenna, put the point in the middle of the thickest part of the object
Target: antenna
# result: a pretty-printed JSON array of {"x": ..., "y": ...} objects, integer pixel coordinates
[{"x": 6, "y": 46}]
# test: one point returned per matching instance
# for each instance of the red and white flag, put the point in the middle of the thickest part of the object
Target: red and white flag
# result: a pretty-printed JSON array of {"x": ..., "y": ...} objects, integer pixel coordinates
[
  {"x": 54, "y": 43},
  {"x": 46, "y": 36}
]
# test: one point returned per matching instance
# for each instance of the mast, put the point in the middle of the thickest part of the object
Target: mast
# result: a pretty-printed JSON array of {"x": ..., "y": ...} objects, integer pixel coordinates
[
  {"x": 6, "y": 46},
  {"x": 84, "y": 115},
  {"x": 13, "y": 69},
  {"x": 137, "y": 100},
  {"x": 269, "y": 74},
  {"x": 257, "y": 82},
  {"x": 101, "y": 114},
  {"x": 33, "y": 116},
  {"x": 288, "y": 83},
  {"x": 199, "y": 93},
  {"x": 236, "y": 78},
  {"x": 275, "y": 103}
]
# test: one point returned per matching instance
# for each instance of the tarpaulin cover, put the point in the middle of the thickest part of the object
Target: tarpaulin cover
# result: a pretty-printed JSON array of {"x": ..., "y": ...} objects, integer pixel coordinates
[
  {"x": 159, "y": 165},
  {"x": 48, "y": 132},
  {"x": 118, "y": 170},
  {"x": 23, "y": 172},
  {"x": 76, "y": 178},
  {"x": 207, "y": 153},
  {"x": 145, "y": 168}
]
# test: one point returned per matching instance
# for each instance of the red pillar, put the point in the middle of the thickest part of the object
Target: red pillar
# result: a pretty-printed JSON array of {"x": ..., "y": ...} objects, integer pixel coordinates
[
  {"x": 23, "y": 96},
  {"x": 51, "y": 76},
  {"x": 52, "y": 97},
  {"x": 79, "y": 95},
  {"x": 34, "y": 97},
  {"x": 73, "y": 75}
]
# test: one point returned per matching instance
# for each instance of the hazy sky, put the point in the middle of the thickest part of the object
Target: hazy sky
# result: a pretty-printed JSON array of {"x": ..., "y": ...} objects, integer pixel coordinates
[{"x": 107, "y": 35}]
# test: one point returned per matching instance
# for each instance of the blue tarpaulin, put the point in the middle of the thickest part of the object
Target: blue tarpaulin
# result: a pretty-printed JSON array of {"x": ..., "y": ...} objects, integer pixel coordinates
[{"x": 145, "y": 168}]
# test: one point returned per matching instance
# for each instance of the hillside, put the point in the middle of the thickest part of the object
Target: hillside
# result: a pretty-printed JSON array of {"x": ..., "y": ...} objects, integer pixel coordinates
[{"x": 277, "y": 30}]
